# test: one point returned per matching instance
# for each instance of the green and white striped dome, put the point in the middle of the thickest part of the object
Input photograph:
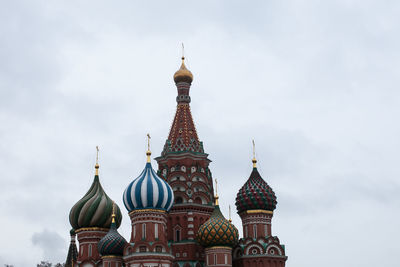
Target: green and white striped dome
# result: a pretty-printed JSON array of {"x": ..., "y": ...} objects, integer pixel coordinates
[{"x": 94, "y": 209}]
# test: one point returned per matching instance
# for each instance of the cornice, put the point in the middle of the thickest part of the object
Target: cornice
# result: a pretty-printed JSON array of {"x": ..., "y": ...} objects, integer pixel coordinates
[{"x": 92, "y": 229}]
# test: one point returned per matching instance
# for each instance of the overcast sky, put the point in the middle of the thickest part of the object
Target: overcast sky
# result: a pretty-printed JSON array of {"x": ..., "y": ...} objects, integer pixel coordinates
[{"x": 315, "y": 83}]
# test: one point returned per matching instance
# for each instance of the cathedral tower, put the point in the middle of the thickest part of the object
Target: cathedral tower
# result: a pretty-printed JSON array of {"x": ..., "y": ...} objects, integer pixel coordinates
[
  {"x": 148, "y": 199},
  {"x": 255, "y": 203},
  {"x": 184, "y": 165},
  {"x": 91, "y": 219}
]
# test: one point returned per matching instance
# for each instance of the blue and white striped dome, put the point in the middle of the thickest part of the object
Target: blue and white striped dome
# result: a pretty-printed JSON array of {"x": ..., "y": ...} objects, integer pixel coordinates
[{"x": 148, "y": 191}]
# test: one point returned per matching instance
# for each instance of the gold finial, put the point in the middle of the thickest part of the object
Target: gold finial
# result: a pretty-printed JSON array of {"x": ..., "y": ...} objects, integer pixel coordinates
[
  {"x": 183, "y": 74},
  {"x": 148, "y": 153},
  {"x": 97, "y": 160},
  {"x": 113, "y": 213},
  {"x": 216, "y": 193},
  {"x": 254, "y": 155},
  {"x": 230, "y": 220}
]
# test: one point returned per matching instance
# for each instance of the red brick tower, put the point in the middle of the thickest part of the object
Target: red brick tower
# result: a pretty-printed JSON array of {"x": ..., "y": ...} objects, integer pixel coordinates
[
  {"x": 148, "y": 199},
  {"x": 91, "y": 219},
  {"x": 184, "y": 165},
  {"x": 255, "y": 203}
]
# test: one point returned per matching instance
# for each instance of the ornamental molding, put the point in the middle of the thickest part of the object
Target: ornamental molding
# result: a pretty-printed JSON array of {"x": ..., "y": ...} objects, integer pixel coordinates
[
  {"x": 251, "y": 247},
  {"x": 149, "y": 221},
  {"x": 248, "y": 221},
  {"x": 92, "y": 229},
  {"x": 149, "y": 211},
  {"x": 111, "y": 257},
  {"x": 217, "y": 249},
  {"x": 273, "y": 246},
  {"x": 264, "y": 256},
  {"x": 256, "y": 211}
]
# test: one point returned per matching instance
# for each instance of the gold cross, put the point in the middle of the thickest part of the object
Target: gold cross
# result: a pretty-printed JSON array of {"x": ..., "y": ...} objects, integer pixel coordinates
[
  {"x": 148, "y": 142},
  {"x": 97, "y": 155},
  {"x": 254, "y": 149}
]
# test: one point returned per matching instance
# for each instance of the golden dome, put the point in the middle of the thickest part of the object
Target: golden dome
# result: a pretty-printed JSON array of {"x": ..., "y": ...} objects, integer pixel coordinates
[{"x": 183, "y": 74}]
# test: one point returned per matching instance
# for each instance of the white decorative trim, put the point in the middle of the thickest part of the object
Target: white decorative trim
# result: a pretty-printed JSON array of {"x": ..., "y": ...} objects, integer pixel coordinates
[
  {"x": 250, "y": 247},
  {"x": 273, "y": 246}
]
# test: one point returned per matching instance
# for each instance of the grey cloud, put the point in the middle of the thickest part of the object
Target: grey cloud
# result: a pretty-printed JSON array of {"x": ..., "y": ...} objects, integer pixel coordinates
[
  {"x": 314, "y": 83},
  {"x": 52, "y": 244}
]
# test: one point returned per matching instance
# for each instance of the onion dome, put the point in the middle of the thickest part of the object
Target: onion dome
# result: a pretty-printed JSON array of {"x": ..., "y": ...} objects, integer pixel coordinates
[
  {"x": 255, "y": 194},
  {"x": 94, "y": 209},
  {"x": 217, "y": 231},
  {"x": 148, "y": 191},
  {"x": 112, "y": 243},
  {"x": 183, "y": 74}
]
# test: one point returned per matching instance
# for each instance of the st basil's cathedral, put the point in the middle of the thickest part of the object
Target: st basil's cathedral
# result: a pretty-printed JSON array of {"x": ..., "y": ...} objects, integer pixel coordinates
[{"x": 175, "y": 216}]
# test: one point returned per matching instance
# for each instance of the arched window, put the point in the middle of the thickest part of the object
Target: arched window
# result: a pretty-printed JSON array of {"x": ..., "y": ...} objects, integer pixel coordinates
[
  {"x": 246, "y": 231},
  {"x": 178, "y": 235},
  {"x": 255, "y": 231},
  {"x": 197, "y": 200},
  {"x": 156, "y": 230},
  {"x": 178, "y": 200},
  {"x": 215, "y": 259},
  {"x": 90, "y": 250},
  {"x": 143, "y": 231}
]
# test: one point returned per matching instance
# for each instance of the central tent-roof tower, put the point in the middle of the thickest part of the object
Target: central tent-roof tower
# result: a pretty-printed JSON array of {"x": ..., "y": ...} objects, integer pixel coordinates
[
  {"x": 184, "y": 165},
  {"x": 183, "y": 135}
]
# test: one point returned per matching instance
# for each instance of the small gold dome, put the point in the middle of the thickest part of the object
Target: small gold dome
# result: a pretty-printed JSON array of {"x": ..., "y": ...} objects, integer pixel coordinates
[{"x": 183, "y": 74}]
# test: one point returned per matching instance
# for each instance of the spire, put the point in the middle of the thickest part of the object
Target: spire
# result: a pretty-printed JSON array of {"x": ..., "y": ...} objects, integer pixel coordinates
[
  {"x": 113, "y": 215},
  {"x": 72, "y": 255},
  {"x": 216, "y": 193},
  {"x": 230, "y": 219},
  {"x": 148, "y": 152},
  {"x": 254, "y": 155},
  {"x": 183, "y": 135},
  {"x": 97, "y": 161}
]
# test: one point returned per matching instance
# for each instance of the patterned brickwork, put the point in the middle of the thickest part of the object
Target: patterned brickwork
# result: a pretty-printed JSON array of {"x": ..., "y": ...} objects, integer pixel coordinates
[{"x": 183, "y": 135}]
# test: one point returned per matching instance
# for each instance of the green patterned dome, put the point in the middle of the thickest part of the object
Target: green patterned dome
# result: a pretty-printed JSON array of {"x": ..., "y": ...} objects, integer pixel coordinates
[
  {"x": 255, "y": 194},
  {"x": 112, "y": 243},
  {"x": 94, "y": 209},
  {"x": 217, "y": 231}
]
